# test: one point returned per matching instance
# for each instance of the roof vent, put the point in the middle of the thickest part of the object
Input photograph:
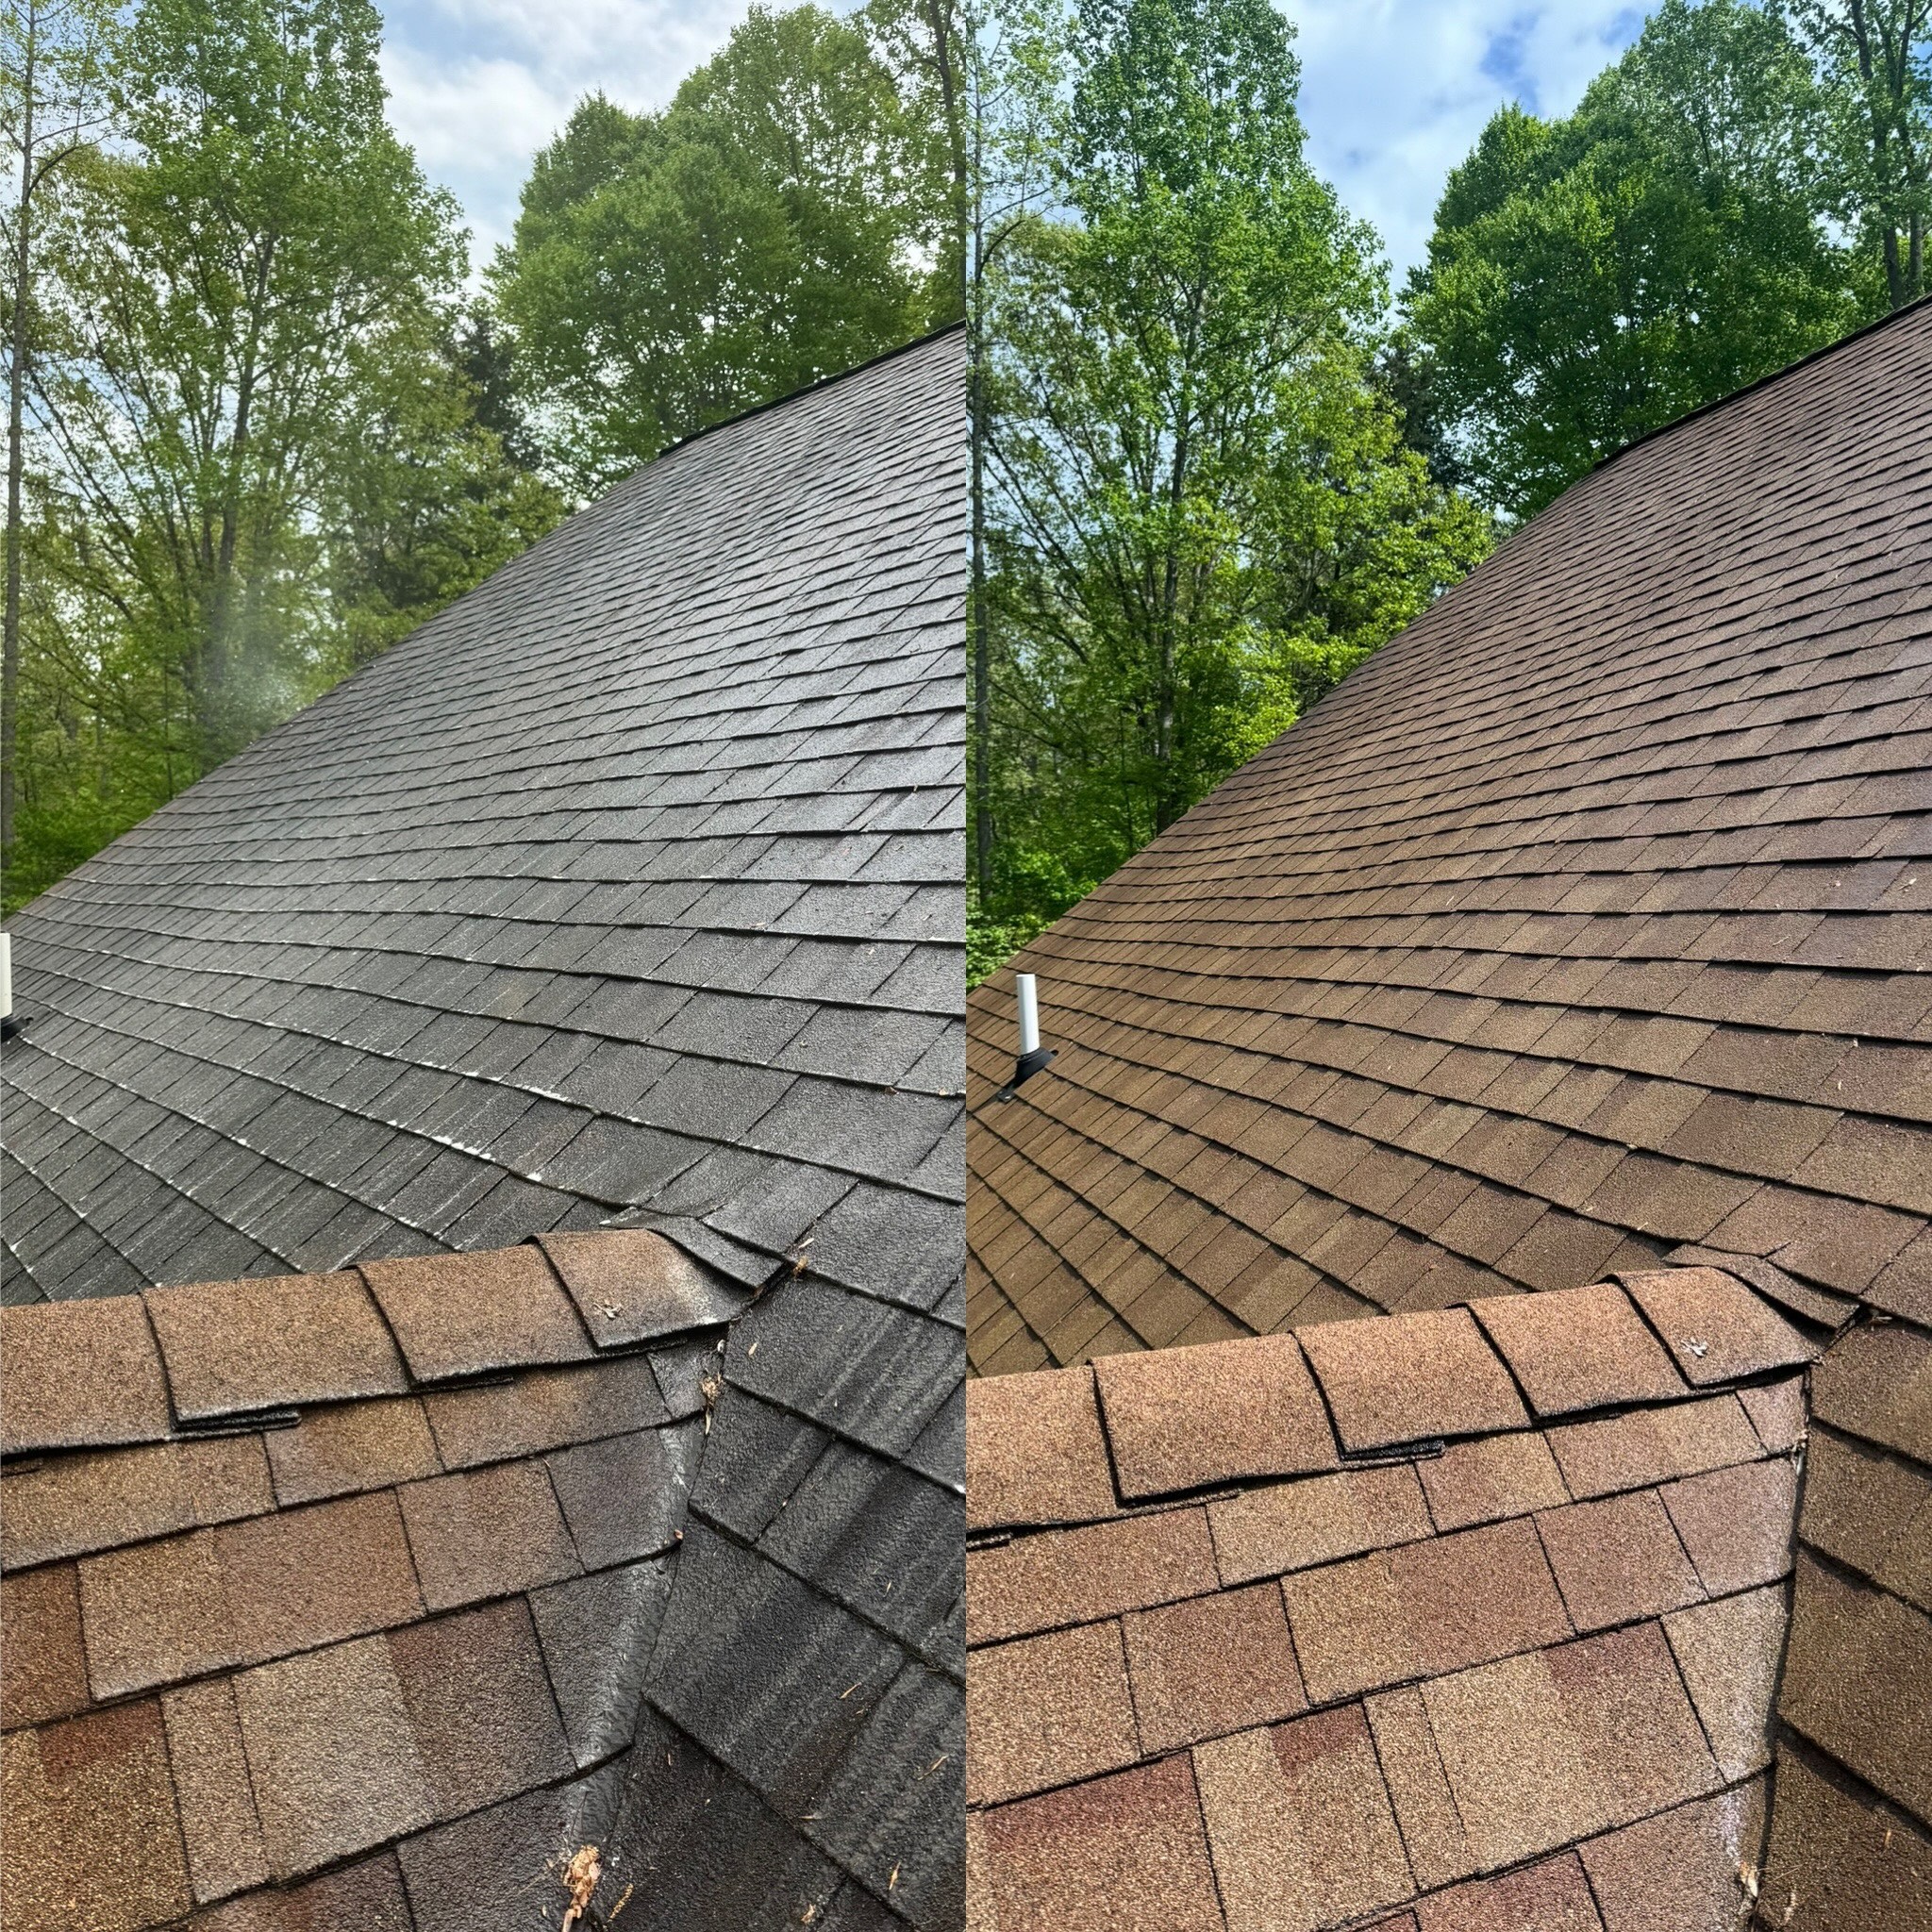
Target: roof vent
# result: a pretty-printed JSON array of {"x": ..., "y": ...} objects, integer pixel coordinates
[
  {"x": 9, "y": 1025},
  {"x": 1032, "y": 1054}
]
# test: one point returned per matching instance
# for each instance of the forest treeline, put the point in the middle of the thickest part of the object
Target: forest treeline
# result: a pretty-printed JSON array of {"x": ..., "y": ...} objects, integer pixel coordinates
[
  {"x": 266, "y": 414},
  {"x": 262, "y": 423},
  {"x": 1225, "y": 459}
]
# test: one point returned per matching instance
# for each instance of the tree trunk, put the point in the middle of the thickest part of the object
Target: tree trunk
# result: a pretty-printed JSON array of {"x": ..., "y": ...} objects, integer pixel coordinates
[
  {"x": 16, "y": 406},
  {"x": 982, "y": 642}
]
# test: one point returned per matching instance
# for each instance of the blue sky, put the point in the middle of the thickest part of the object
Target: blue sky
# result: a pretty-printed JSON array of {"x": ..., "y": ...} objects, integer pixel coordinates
[{"x": 1393, "y": 92}]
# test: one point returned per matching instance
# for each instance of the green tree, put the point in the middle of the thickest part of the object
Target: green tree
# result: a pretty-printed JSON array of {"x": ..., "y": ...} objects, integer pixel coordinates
[
  {"x": 1592, "y": 278},
  {"x": 245, "y": 275},
  {"x": 1204, "y": 509},
  {"x": 267, "y": 447},
  {"x": 792, "y": 212},
  {"x": 1875, "y": 63},
  {"x": 52, "y": 62}
]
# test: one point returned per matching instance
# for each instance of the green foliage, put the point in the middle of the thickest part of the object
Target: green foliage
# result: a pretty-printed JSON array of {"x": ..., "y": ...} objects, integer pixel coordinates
[
  {"x": 1203, "y": 508},
  {"x": 257, "y": 455},
  {"x": 1875, "y": 67},
  {"x": 792, "y": 212},
  {"x": 1592, "y": 278}
]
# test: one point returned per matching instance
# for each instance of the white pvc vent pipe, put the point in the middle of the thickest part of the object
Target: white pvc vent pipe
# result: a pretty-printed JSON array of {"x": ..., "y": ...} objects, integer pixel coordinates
[{"x": 1029, "y": 1014}]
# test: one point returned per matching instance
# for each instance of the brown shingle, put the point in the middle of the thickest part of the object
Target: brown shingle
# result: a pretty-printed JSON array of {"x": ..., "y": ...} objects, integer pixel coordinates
[
  {"x": 1617, "y": 1559},
  {"x": 1081, "y": 1575},
  {"x": 486, "y": 1533},
  {"x": 632, "y": 1285},
  {"x": 1778, "y": 1412},
  {"x": 367, "y": 1895},
  {"x": 1680, "y": 1872},
  {"x": 1034, "y": 1451},
  {"x": 42, "y": 1667},
  {"x": 481, "y": 1713},
  {"x": 351, "y": 1446},
  {"x": 624, "y": 1498},
  {"x": 1185, "y": 1417},
  {"x": 1293, "y": 1526},
  {"x": 80, "y": 1375},
  {"x": 1491, "y": 1478},
  {"x": 219, "y": 1823},
  {"x": 1872, "y": 1512},
  {"x": 92, "y": 1843},
  {"x": 465, "y": 1314},
  {"x": 1716, "y": 1329},
  {"x": 1299, "y": 1823},
  {"x": 1211, "y": 1665},
  {"x": 1876, "y": 1382},
  {"x": 1422, "y": 1609},
  {"x": 1047, "y": 1711},
  {"x": 1438, "y": 1848},
  {"x": 72, "y": 1505},
  {"x": 1736, "y": 1523},
  {"x": 1550, "y": 1896},
  {"x": 245, "y": 1592},
  {"x": 1543, "y": 1749},
  {"x": 1409, "y": 1376},
  {"x": 1851, "y": 1649},
  {"x": 275, "y": 1341},
  {"x": 1728, "y": 1653},
  {"x": 1578, "y": 1348},
  {"x": 1119, "y": 1854},
  {"x": 1651, "y": 1445},
  {"x": 547, "y": 1409},
  {"x": 332, "y": 1755}
]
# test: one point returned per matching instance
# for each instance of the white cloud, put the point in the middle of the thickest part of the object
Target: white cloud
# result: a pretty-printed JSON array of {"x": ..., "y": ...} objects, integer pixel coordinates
[
  {"x": 1393, "y": 92},
  {"x": 477, "y": 87}
]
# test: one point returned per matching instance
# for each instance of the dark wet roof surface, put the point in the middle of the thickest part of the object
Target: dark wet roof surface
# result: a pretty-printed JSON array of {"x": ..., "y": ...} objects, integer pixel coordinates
[
  {"x": 420, "y": 1528},
  {"x": 630, "y": 881}
]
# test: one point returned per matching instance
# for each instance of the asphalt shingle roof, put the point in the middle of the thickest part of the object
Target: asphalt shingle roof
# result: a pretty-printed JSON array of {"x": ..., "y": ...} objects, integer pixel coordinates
[
  {"x": 1586, "y": 929},
  {"x": 483, "y": 1173},
  {"x": 629, "y": 882}
]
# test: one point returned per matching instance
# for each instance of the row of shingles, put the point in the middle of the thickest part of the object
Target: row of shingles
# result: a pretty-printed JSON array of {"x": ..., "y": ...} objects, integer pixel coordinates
[
  {"x": 806, "y": 1682},
  {"x": 1614, "y": 1100},
  {"x": 559, "y": 1206},
  {"x": 1283, "y": 860},
  {"x": 1060, "y": 1706},
  {"x": 318, "y": 1577},
  {"x": 1852, "y": 1824},
  {"x": 1612, "y": 1095}
]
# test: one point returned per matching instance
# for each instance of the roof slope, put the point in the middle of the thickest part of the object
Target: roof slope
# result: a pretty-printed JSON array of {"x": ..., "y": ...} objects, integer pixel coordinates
[
  {"x": 627, "y": 892},
  {"x": 1590, "y": 920},
  {"x": 372, "y": 1597},
  {"x": 631, "y": 880},
  {"x": 1477, "y": 1617}
]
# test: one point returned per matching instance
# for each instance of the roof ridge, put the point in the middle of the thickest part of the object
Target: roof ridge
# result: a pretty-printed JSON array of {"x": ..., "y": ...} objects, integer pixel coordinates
[
  {"x": 812, "y": 388},
  {"x": 1751, "y": 388},
  {"x": 1123, "y": 1432},
  {"x": 195, "y": 1359}
]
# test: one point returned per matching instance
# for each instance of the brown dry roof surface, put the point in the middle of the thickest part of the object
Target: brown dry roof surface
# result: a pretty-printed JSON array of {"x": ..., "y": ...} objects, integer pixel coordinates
[
  {"x": 1489, "y": 1672},
  {"x": 1615, "y": 946},
  {"x": 390, "y": 1646}
]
